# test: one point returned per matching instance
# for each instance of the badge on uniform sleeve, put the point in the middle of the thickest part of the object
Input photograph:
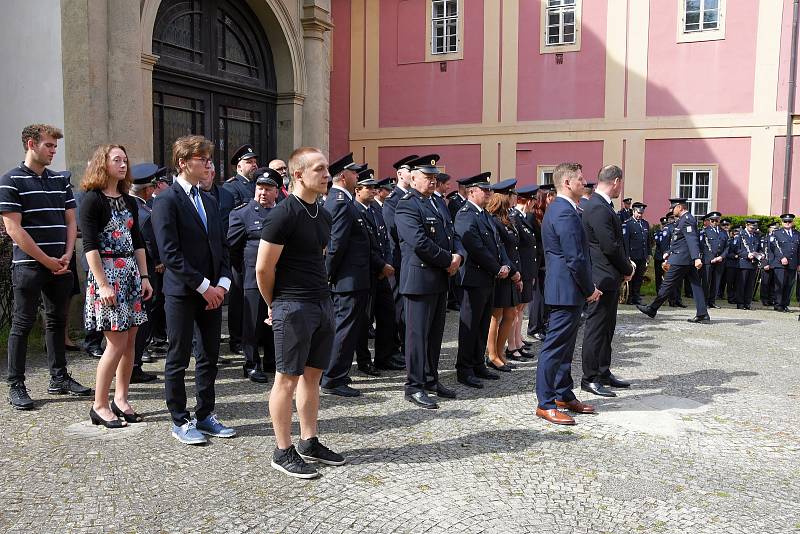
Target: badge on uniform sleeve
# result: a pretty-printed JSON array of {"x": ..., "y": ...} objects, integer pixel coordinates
[
  {"x": 688, "y": 229},
  {"x": 624, "y": 230}
]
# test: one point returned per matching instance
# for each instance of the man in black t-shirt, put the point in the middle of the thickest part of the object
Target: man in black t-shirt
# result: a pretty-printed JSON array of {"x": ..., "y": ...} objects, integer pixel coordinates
[{"x": 291, "y": 275}]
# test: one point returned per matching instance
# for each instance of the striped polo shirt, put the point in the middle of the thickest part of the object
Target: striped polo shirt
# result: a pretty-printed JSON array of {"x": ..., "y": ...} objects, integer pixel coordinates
[{"x": 42, "y": 201}]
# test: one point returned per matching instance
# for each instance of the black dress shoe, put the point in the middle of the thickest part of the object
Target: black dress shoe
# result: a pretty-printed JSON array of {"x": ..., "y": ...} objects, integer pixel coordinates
[
  {"x": 147, "y": 357},
  {"x": 71, "y": 348},
  {"x": 441, "y": 391},
  {"x": 369, "y": 369},
  {"x": 699, "y": 319},
  {"x": 421, "y": 399},
  {"x": 647, "y": 310},
  {"x": 454, "y": 307},
  {"x": 389, "y": 366},
  {"x": 680, "y": 304},
  {"x": 236, "y": 348},
  {"x": 713, "y": 306},
  {"x": 614, "y": 381},
  {"x": 597, "y": 388},
  {"x": 97, "y": 420},
  {"x": 527, "y": 343},
  {"x": 485, "y": 374},
  {"x": 140, "y": 377},
  {"x": 371, "y": 332},
  {"x": 470, "y": 381},
  {"x": 95, "y": 352},
  {"x": 504, "y": 368},
  {"x": 342, "y": 391},
  {"x": 255, "y": 375}
]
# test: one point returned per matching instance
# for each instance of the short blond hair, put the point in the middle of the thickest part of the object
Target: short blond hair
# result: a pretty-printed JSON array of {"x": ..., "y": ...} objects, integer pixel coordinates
[{"x": 298, "y": 160}]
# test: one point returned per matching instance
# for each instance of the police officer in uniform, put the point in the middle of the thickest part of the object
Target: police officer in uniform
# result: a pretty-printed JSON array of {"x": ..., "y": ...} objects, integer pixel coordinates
[
  {"x": 713, "y": 244},
  {"x": 684, "y": 260},
  {"x": 486, "y": 261},
  {"x": 731, "y": 267},
  {"x": 625, "y": 212},
  {"x": 660, "y": 239},
  {"x": 784, "y": 245},
  {"x": 244, "y": 236},
  {"x": 637, "y": 240},
  {"x": 767, "y": 284},
  {"x": 747, "y": 250},
  {"x": 456, "y": 200},
  {"x": 430, "y": 255}
]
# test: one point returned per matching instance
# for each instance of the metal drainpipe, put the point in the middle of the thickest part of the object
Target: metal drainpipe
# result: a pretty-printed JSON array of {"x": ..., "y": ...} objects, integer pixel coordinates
[{"x": 787, "y": 164}]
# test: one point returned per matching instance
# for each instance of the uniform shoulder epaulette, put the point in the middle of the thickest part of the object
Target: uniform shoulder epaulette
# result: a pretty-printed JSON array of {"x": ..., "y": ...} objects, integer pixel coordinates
[
  {"x": 240, "y": 206},
  {"x": 340, "y": 197},
  {"x": 231, "y": 179},
  {"x": 406, "y": 196},
  {"x": 465, "y": 208}
]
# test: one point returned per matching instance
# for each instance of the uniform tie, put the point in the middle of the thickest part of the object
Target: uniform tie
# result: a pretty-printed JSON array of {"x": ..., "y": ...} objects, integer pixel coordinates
[{"x": 198, "y": 204}]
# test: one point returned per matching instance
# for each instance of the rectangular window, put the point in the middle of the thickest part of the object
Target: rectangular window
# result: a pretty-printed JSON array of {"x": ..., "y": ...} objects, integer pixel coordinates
[
  {"x": 701, "y": 20},
  {"x": 694, "y": 183},
  {"x": 444, "y": 26},
  {"x": 545, "y": 174},
  {"x": 560, "y": 26}
]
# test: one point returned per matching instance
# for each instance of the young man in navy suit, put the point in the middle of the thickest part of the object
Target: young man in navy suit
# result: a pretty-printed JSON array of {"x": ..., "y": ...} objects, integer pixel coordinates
[
  {"x": 193, "y": 247},
  {"x": 568, "y": 285}
]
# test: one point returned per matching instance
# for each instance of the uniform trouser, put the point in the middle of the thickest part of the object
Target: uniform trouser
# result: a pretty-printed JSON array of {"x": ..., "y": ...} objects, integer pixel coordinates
[
  {"x": 399, "y": 308},
  {"x": 256, "y": 333},
  {"x": 387, "y": 343},
  {"x": 635, "y": 286},
  {"x": 537, "y": 311},
  {"x": 705, "y": 280},
  {"x": 658, "y": 272},
  {"x": 363, "y": 355},
  {"x": 714, "y": 273},
  {"x": 601, "y": 320},
  {"x": 768, "y": 286},
  {"x": 30, "y": 283},
  {"x": 183, "y": 312},
  {"x": 474, "y": 318},
  {"x": 673, "y": 279},
  {"x": 731, "y": 278},
  {"x": 425, "y": 318},
  {"x": 143, "y": 335},
  {"x": 350, "y": 313},
  {"x": 744, "y": 286},
  {"x": 235, "y": 308},
  {"x": 454, "y": 293},
  {"x": 784, "y": 280},
  {"x": 158, "y": 319},
  {"x": 554, "y": 371}
]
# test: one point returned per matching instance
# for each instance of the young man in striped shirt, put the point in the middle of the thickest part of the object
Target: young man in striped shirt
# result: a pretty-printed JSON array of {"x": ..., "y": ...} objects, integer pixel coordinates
[{"x": 38, "y": 211}]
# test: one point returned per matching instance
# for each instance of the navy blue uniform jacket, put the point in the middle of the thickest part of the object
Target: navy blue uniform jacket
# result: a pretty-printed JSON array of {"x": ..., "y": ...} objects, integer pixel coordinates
[
  {"x": 566, "y": 251},
  {"x": 528, "y": 246},
  {"x": 244, "y": 236},
  {"x": 684, "y": 246},
  {"x": 348, "y": 255},
  {"x": 485, "y": 253},
  {"x": 189, "y": 252}
]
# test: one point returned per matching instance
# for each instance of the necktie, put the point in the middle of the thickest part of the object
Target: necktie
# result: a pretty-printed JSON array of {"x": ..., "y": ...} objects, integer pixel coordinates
[
  {"x": 612, "y": 204},
  {"x": 436, "y": 209},
  {"x": 198, "y": 204}
]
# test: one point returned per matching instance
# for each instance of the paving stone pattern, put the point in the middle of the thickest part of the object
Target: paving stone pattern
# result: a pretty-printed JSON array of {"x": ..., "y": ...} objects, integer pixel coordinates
[{"x": 707, "y": 440}]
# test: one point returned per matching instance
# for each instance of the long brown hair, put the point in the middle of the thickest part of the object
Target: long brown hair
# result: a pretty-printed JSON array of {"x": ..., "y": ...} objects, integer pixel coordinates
[
  {"x": 96, "y": 175},
  {"x": 498, "y": 205},
  {"x": 540, "y": 204}
]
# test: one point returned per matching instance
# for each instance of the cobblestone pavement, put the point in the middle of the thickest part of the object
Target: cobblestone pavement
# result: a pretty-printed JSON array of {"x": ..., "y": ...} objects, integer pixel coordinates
[{"x": 707, "y": 440}]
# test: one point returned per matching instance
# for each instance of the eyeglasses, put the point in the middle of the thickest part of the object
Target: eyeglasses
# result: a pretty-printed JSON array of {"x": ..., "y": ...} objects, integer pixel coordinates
[{"x": 205, "y": 161}]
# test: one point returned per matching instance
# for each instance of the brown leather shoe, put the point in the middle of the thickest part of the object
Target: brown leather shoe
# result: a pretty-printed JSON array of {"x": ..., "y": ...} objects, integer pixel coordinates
[
  {"x": 555, "y": 417},
  {"x": 576, "y": 406}
]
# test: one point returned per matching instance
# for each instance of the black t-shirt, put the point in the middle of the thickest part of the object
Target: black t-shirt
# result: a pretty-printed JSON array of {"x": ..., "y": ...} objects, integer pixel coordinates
[{"x": 304, "y": 230}]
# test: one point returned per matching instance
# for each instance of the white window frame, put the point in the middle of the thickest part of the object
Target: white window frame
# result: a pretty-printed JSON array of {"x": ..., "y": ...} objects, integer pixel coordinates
[
  {"x": 693, "y": 36},
  {"x": 544, "y": 46},
  {"x": 430, "y": 54},
  {"x": 712, "y": 169},
  {"x": 541, "y": 171}
]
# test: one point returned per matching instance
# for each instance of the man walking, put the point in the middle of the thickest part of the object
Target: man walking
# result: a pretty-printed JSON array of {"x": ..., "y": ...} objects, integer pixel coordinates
[
  {"x": 568, "y": 285},
  {"x": 610, "y": 266}
]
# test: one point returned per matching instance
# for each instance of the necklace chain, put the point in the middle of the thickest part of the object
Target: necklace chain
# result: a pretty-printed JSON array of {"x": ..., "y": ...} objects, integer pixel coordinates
[{"x": 303, "y": 205}]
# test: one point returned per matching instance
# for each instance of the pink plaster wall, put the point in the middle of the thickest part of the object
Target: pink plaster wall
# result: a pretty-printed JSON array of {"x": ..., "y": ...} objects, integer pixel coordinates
[
  {"x": 777, "y": 177},
  {"x": 530, "y": 155},
  {"x": 704, "y": 77},
  {"x": 339, "y": 129},
  {"x": 415, "y": 93},
  {"x": 783, "y": 69},
  {"x": 459, "y": 161},
  {"x": 575, "y": 89},
  {"x": 731, "y": 154}
]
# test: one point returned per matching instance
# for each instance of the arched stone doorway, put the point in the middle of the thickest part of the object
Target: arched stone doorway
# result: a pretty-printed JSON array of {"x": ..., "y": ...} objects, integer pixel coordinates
[{"x": 215, "y": 76}]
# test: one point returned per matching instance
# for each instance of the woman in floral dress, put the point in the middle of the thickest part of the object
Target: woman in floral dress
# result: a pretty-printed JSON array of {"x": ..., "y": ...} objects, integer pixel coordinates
[{"x": 117, "y": 282}]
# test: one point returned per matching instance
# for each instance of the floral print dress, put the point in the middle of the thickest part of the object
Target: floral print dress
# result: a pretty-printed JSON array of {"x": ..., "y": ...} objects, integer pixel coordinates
[{"x": 122, "y": 272}]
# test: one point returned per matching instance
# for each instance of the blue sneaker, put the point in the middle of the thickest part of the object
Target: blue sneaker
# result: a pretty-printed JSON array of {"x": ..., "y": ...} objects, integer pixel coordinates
[
  {"x": 188, "y": 434},
  {"x": 210, "y": 426}
]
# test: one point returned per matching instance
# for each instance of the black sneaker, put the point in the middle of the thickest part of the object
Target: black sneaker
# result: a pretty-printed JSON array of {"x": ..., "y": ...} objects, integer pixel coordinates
[
  {"x": 66, "y": 385},
  {"x": 18, "y": 396},
  {"x": 290, "y": 463},
  {"x": 311, "y": 450}
]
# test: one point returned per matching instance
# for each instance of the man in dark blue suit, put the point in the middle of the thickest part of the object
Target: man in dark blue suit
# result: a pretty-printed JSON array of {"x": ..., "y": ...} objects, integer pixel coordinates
[
  {"x": 430, "y": 255},
  {"x": 350, "y": 259},
  {"x": 192, "y": 246},
  {"x": 714, "y": 245},
  {"x": 638, "y": 243},
  {"x": 568, "y": 285},
  {"x": 485, "y": 261}
]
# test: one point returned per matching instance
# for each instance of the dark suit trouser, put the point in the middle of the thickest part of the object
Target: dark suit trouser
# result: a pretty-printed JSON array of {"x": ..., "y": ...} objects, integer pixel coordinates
[
  {"x": 158, "y": 328},
  {"x": 399, "y": 308},
  {"x": 182, "y": 314},
  {"x": 235, "y": 308},
  {"x": 731, "y": 278},
  {"x": 473, "y": 329},
  {"x": 537, "y": 316},
  {"x": 768, "y": 286},
  {"x": 745, "y": 285},
  {"x": 454, "y": 292},
  {"x": 425, "y": 318},
  {"x": 387, "y": 343},
  {"x": 715, "y": 272},
  {"x": 255, "y": 333},
  {"x": 143, "y": 335},
  {"x": 636, "y": 281},
  {"x": 673, "y": 279},
  {"x": 554, "y": 372},
  {"x": 601, "y": 320},
  {"x": 350, "y": 318},
  {"x": 658, "y": 272},
  {"x": 363, "y": 355},
  {"x": 784, "y": 280}
]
